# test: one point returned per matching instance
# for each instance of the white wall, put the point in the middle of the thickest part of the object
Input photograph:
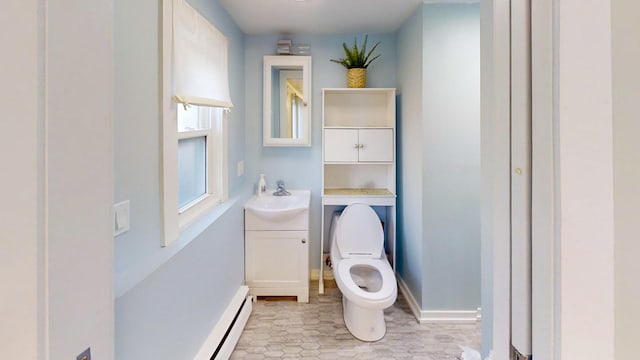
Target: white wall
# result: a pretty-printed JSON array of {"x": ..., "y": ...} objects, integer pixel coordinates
[
  {"x": 58, "y": 157},
  {"x": 626, "y": 129},
  {"x": 79, "y": 165},
  {"x": 21, "y": 144},
  {"x": 585, "y": 180}
]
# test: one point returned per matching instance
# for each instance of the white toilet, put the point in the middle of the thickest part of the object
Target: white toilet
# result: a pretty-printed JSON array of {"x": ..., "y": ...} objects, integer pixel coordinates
[{"x": 362, "y": 271}]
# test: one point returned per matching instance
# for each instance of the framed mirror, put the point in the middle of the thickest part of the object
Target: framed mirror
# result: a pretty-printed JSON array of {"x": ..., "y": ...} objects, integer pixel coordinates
[{"x": 287, "y": 101}]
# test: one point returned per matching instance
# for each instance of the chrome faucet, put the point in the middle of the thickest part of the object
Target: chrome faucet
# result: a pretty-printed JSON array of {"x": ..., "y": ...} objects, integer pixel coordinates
[{"x": 280, "y": 190}]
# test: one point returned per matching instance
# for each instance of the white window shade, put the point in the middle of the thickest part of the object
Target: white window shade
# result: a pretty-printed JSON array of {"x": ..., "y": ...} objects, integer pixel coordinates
[{"x": 200, "y": 65}]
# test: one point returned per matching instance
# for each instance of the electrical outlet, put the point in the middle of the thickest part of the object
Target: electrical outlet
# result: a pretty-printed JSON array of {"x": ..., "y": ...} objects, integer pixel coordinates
[{"x": 85, "y": 355}]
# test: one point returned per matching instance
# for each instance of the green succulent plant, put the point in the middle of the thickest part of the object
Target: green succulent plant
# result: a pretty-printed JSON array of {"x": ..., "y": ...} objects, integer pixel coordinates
[{"x": 357, "y": 57}]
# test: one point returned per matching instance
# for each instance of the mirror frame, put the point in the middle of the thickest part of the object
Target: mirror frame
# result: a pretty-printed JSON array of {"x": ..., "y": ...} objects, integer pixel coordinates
[{"x": 286, "y": 61}]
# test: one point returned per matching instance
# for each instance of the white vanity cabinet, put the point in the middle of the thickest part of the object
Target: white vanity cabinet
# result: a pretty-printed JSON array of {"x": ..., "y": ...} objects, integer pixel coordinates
[
  {"x": 359, "y": 162},
  {"x": 277, "y": 256},
  {"x": 358, "y": 145}
]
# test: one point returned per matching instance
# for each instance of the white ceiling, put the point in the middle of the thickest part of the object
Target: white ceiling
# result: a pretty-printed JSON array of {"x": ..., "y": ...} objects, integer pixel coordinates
[{"x": 320, "y": 17}]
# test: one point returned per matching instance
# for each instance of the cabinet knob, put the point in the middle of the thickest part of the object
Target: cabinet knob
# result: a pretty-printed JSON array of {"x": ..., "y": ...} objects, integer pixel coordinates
[
  {"x": 304, "y": 241},
  {"x": 355, "y": 146},
  {"x": 361, "y": 146}
]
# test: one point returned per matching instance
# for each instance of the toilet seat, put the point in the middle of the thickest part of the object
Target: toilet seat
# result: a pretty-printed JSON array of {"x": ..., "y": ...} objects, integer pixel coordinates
[
  {"x": 382, "y": 298},
  {"x": 359, "y": 233}
]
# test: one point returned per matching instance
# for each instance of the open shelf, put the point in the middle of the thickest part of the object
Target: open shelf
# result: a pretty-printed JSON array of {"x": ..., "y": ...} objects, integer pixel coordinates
[{"x": 359, "y": 107}]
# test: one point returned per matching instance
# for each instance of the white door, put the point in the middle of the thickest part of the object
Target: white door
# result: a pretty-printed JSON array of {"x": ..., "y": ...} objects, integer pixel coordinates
[
  {"x": 376, "y": 145},
  {"x": 341, "y": 145}
]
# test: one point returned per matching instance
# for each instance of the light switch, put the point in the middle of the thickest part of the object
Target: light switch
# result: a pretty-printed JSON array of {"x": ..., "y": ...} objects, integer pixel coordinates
[
  {"x": 240, "y": 167},
  {"x": 121, "y": 217}
]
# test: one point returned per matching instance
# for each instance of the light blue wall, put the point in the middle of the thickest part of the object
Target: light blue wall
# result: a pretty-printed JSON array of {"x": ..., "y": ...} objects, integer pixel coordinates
[
  {"x": 451, "y": 162},
  {"x": 166, "y": 305},
  {"x": 409, "y": 154},
  {"x": 301, "y": 167},
  {"x": 439, "y": 156},
  {"x": 169, "y": 314}
]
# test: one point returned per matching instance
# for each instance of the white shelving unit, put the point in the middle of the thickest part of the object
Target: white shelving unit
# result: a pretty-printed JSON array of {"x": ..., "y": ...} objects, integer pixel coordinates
[{"x": 359, "y": 162}]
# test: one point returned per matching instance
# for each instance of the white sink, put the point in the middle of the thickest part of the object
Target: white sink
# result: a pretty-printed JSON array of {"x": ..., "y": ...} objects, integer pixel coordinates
[{"x": 278, "y": 208}]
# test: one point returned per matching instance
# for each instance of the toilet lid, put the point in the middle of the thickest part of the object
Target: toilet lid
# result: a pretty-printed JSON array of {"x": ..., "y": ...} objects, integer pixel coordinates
[{"x": 359, "y": 232}]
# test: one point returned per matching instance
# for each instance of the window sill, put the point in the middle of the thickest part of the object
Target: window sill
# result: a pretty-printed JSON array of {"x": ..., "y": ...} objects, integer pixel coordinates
[
  {"x": 125, "y": 281},
  {"x": 195, "y": 225}
]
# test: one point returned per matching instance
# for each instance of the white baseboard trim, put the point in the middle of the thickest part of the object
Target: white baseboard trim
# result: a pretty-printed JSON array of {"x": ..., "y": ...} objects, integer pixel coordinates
[
  {"x": 225, "y": 324},
  {"x": 449, "y": 316},
  {"x": 413, "y": 304},
  {"x": 436, "y": 316}
]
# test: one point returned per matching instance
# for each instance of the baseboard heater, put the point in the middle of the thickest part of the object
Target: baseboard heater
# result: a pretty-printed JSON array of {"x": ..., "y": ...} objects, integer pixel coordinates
[{"x": 225, "y": 335}]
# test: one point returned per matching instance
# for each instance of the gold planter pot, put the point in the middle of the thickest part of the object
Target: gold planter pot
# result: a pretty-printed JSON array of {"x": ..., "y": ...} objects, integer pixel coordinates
[{"x": 357, "y": 78}]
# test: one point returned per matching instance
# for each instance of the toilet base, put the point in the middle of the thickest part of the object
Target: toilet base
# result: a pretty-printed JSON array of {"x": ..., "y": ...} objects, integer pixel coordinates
[{"x": 364, "y": 324}]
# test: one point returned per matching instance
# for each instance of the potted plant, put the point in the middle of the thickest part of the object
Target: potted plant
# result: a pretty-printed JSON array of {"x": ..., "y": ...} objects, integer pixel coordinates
[{"x": 356, "y": 61}]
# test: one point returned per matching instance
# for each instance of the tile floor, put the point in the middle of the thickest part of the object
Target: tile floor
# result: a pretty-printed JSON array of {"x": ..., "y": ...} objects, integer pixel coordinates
[{"x": 283, "y": 328}]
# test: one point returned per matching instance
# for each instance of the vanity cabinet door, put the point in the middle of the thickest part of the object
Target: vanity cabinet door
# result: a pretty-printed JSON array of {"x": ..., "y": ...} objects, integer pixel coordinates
[
  {"x": 376, "y": 145},
  {"x": 341, "y": 145},
  {"x": 277, "y": 263}
]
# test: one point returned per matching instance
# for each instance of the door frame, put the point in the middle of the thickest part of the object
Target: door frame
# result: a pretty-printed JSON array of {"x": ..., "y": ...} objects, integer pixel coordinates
[
  {"x": 544, "y": 254},
  {"x": 572, "y": 136},
  {"x": 496, "y": 173}
]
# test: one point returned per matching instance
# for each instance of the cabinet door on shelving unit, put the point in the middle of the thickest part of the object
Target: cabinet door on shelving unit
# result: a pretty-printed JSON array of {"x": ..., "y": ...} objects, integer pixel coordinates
[
  {"x": 376, "y": 145},
  {"x": 340, "y": 145}
]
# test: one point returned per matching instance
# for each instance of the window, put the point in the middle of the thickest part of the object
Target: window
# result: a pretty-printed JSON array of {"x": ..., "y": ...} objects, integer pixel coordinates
[
  {"x": 195, "y": 104},
  {"x": 201, "y": 149}
]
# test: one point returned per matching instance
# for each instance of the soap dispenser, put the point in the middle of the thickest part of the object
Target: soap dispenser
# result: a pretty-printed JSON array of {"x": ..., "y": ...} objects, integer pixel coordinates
[{"x": 262, "y": 185}]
